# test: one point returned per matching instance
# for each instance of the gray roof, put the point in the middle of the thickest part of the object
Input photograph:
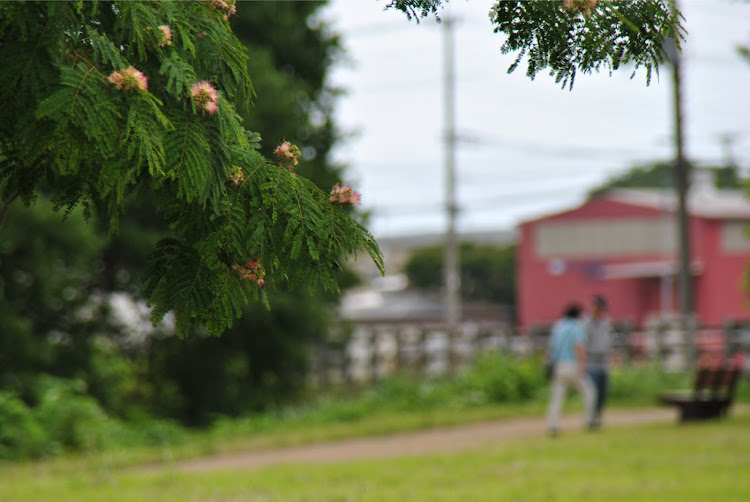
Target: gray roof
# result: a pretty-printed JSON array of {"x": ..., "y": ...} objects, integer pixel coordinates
[
  {"x": 703, "y": 199},
  {"x": 367, "y": 304},
  {"x": 494, "y": 237}
]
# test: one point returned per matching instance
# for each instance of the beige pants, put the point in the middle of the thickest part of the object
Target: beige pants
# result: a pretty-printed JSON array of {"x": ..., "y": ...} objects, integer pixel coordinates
[{"x": 566, "y": 375}]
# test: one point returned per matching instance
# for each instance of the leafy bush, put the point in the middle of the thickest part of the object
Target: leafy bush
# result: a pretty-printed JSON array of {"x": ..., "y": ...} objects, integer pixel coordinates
[
  {"x": 641, "y": 384},
  {"x": 116, "y": 380},
  {"x": 502, "y": 378},
  {"x": 21, "y": 436},
  {"x": 70, "y": 418},
  {"x": 405, "y": 393},
  {"x": 493, "y": 378}
]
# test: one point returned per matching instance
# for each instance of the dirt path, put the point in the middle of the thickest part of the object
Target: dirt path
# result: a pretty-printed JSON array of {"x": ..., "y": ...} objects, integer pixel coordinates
[{"x": 414, "y": 443}]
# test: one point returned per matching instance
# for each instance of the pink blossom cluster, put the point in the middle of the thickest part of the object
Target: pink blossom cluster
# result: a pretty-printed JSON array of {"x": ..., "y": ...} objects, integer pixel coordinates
[
  {"x": 236, "y": 175},
  {"x": 127, "y": 79},
  {"x": 205, "y": 96},
  {"x": 344, "y": 195},
  {"x": 583, "y": 6},
  {"x": 166, "y": 35},
  {"x": 288, "y": 154},
  {"x": 228, "y": 7},
  {"x": 251, "y": 271}
]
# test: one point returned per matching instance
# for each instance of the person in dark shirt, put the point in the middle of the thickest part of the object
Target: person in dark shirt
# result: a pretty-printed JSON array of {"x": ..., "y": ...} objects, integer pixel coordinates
[{"x": 598, "y": 346}]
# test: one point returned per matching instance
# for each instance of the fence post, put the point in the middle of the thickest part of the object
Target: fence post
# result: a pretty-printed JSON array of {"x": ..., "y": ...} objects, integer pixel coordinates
[
  {"x": 452, "y": 341},
  {"x": 659, "y": 352},
  {"x": 732, "y": 338},
  {"x": 536, "y": 340},
  {"x": 346, "y": 365},
  {"x": 374, "y": 356},
  {"x": 421, "y": 349},
  {"x": 398, "y": 339}
]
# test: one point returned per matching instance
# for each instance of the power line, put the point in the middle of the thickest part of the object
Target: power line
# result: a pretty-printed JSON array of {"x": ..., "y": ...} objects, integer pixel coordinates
[
  {"x": 374, "y": 30},
  {"x": 501, "y": 200},
  {"x": 537, "y": 148}
]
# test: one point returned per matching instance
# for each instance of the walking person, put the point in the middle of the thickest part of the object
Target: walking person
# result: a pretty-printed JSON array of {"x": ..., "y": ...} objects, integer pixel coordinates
[
  {"x": 598, "y": 346},
  {"x": 567, "y": 350}
]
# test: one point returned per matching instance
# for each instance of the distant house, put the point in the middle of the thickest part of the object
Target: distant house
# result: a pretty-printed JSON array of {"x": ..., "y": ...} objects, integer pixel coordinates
[
  {"x": 388, "y": 299},
  {"x": 623, "y": 244}
]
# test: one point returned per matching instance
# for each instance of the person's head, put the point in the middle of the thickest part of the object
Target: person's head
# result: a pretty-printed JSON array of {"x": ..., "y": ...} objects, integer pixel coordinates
[
  {"x": 598, "y": 305},
  {"x": 572, "y": 311}
]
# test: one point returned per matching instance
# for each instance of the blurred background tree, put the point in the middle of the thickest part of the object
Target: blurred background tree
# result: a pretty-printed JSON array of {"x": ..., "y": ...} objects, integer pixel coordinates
[
  {"x": 50, "y": 268},
  {"x": 661, "y": 175},
  {"x": 487, "y": 272}
]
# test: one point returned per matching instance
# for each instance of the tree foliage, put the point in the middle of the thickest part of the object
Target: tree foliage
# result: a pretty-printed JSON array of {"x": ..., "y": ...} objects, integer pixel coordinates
[
  {"x": 87, "y": 140},
  {"x": 570, "y": 36},
  {"x": 289, "y": 61},
  {"x": 49, "y": 269},
  {"x": 661, "y": 175},
  {"x": 260, "y": 363},
  {"x": 69, "y": 284},
  {"x": 744, "y": 51},
  {"x": 263, "y": 360},
  {"x": 487, "y": 272}
]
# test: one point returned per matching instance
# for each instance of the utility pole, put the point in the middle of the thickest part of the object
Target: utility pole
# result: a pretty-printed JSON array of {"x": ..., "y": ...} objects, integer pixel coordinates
[
  {"x": 682, "y": 181},
  {"x": 727, "y": 141},
  {"x": 451, "y": 263}
]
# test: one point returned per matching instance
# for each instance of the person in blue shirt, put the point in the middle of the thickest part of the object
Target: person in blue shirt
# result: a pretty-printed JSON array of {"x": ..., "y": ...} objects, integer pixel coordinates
[{"x": 567, "y": 351}]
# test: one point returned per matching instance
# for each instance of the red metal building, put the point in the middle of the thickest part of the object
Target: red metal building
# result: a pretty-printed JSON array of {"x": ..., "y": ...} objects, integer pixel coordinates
[{"x": 623, "y": 244}]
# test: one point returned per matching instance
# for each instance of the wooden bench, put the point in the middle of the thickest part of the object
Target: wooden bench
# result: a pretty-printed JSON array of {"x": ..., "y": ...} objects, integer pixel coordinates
[{"x": 711, "y": 396}]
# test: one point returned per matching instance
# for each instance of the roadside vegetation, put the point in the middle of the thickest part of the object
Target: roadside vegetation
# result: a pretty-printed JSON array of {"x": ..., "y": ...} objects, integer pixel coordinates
[{"x": 67, "y": 422}]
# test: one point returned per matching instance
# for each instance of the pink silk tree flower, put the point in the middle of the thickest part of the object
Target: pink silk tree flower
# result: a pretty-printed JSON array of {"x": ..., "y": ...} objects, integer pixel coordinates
[
  {"x": 344, "y": 195},
  {"x": 205, "y": 96},
  {"x": 129, "y": 78},
  {"x": 166, "y": 35}
]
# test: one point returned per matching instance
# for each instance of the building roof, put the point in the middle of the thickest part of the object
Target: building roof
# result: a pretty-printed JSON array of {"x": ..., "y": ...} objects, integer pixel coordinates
[
  {"x": 703, "y": 199},
  {"x": 413, "y": 241},
  {"x": 724, "y": 204}
]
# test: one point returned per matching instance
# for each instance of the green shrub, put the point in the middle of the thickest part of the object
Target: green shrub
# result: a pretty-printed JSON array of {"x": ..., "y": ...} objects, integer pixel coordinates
[
  {"x": 405, "y": 393},
  {"x": 21, "y": 436},
  {"x": 64, "y": 418},
  {"x": 115, "y": 379},
  {"x": 502, "y": 378},
  {"x": 642, "y": 384},
  {"x": 157, "y": 432},
  {"x": 70, "y": 418},
  {"x": 335, "y": 411}
]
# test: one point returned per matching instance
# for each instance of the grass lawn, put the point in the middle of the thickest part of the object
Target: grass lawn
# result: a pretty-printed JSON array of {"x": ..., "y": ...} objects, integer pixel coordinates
[{"x": 665, "y": 462}]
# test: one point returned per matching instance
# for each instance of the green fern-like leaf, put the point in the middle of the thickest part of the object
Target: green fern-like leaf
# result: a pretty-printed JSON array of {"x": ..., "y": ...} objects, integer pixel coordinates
[{"x": 90, "y": 142}]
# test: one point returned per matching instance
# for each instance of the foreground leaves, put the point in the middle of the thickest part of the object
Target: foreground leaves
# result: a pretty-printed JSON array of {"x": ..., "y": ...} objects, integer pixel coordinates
[{"x": 87, "y": 137}]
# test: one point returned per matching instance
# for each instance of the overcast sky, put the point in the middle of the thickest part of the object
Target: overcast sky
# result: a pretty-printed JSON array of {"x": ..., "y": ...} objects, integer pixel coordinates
[{"x": 532, "y": 148}]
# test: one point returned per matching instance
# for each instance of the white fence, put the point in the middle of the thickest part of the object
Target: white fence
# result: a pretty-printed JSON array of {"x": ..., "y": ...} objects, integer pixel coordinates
[{"x": 374, "y": 350}]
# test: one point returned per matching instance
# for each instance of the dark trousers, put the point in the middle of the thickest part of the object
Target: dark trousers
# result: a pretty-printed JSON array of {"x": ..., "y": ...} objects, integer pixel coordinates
[{"x": 600, "y": 379}]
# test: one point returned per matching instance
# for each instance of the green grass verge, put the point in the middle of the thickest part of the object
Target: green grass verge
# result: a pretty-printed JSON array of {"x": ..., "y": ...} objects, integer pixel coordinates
[
  {"x": 496, "y": 387},
  {"x": 264, "y": 433},
  {"x": 665, "y": 462}
]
